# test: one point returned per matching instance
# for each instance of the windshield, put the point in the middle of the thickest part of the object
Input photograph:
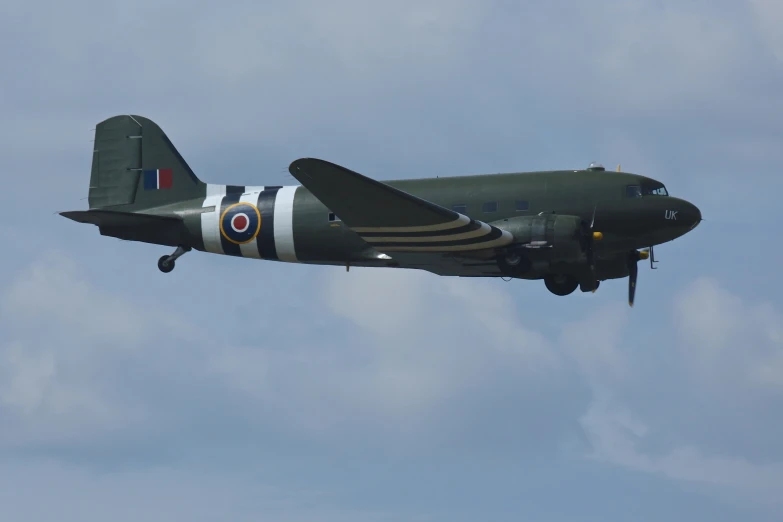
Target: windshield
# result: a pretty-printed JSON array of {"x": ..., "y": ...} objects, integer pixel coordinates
[{"x": 654, "y": 189}]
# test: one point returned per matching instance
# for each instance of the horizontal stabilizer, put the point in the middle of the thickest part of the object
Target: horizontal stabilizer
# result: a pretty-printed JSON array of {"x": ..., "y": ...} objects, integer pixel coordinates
[
  {"x": 148, "y": 228},
  {"x": 388, "y": 218},
  {"x": 113, "y": 218}
]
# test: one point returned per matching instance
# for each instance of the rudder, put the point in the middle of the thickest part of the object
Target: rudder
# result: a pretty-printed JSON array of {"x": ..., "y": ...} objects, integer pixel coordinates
[{"x": 135, "y": 166}]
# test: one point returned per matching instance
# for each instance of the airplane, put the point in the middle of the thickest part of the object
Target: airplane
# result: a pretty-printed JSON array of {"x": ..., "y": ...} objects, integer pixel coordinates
[{"x": 570, "y": 228}]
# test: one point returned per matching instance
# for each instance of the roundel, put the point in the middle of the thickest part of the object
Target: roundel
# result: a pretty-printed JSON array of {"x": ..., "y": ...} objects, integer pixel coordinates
[{"x": 240, "y": 223}]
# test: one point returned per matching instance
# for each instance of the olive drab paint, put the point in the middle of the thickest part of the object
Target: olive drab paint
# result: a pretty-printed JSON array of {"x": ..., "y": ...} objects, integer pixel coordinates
[{"x": 571, "y": 228}]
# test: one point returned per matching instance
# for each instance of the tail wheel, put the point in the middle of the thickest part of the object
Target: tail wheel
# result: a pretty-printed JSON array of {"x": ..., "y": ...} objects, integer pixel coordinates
[
  {"x": 165, "y": 265},
  {"x": 561, "y": 284}
]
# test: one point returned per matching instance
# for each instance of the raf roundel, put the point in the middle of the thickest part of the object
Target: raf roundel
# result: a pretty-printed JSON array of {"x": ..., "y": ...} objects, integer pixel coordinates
[{"x": 240, "y": 223}]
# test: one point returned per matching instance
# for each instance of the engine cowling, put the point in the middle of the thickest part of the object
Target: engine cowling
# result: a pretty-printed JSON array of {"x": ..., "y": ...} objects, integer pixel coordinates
[{"x": 561, "y": 236}]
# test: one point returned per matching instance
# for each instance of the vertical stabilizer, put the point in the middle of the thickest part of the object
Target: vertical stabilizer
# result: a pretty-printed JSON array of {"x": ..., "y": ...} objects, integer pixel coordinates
[{"x": 135, "y": 166}]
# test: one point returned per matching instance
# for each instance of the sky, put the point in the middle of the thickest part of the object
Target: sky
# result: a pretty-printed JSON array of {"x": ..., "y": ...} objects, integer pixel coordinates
[{"x": 239, "y": 389}]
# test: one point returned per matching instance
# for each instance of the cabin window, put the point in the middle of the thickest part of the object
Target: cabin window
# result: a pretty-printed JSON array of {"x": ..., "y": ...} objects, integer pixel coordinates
[
  {"x": 522, "y": 205},
  {"x": 332, "y": 217},
  {"x": 633, "y": 191},
  {"x": 461, "y": 208},
  {"x": 490, "y": 206}
]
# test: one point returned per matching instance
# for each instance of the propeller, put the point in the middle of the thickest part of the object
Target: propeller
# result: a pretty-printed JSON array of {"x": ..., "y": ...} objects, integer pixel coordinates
[{"x": 634, "y": 256}]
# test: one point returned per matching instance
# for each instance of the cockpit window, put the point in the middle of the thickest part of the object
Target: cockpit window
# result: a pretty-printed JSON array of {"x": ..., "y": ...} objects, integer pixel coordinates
[
  {"x": 654, "y": 189},
  {"x": 646, "y": 189}
]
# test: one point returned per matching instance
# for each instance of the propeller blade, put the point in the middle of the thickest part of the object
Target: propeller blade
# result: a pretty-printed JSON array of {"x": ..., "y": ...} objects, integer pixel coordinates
[{"x": 633, "y": 272}]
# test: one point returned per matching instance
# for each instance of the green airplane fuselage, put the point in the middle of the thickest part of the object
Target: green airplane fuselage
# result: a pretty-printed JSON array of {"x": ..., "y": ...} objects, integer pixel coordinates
[
  {"x": 631, "y": 211},
  {"x": 568, "y": 227}
]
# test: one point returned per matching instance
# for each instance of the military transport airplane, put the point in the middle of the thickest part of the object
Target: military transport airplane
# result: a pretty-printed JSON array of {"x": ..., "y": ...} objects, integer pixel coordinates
[{"x": 571, "y": 228}]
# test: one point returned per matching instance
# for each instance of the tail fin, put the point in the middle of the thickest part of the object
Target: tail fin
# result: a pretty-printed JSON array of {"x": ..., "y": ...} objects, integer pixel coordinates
[{"x": 135, "y": 166}]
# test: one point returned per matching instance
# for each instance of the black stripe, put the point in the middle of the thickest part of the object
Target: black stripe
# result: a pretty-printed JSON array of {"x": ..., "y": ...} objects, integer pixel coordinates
[
  {"x": 266, "y": 237},
  {"x": 494, "y": 234},
  {"x": 470, "y": 227},
  {"x": 233, "y": 193}
]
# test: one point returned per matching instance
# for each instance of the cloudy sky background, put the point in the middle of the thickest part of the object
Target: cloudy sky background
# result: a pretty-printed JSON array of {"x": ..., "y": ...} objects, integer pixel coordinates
[{"x": 247, "y": 390}]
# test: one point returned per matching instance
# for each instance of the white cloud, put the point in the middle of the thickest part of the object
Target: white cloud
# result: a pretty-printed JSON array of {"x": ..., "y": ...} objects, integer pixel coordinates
[
  {"x": 769, "y": 17},
  {"x": 729, "y": 340},
  {"x": 63, "y": 342},
  {"x": 770, "y": 371},
  {"x": 52, "y": 294},
  {"x": 28, "y": 378},
  {"x": 656, "y": 55},
  {"x": 726, "y": 349},
  {"x": 615, "y": 436},
  {"x": 382, "y": 37},
  {"x": 163, "y": 493},
  {"x": 306, "y": 65},
  {"x": 320, "y": 64},
  {"x": 594, "y": 344},
  {"x": 417, "y": 346},
  {"x": 416, "y": 343}
]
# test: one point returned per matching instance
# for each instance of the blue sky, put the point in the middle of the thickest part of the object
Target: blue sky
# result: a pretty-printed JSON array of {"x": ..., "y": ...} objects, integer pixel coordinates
[{"x": 246, "y": 390}]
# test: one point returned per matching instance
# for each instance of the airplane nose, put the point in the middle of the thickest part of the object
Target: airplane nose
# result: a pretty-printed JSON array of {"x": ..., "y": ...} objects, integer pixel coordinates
[{"x": 692, "y": 214}]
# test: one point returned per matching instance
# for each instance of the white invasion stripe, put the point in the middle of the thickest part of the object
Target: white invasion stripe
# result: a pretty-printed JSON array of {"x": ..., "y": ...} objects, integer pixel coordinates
[
  {"x": 503, "y": 240},
  {"x": 210, "y": 230},
  {"x": 251, "y": 196},
  {"x": 284, "y": 224},
  {"x": 483, "y": 231},
  {"x": 459, "y": 222}
]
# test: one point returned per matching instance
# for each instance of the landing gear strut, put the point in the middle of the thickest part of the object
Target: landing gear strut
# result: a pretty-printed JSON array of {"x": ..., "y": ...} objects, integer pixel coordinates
[
  {"x": 166, "y": 263},
  {"x": 588, "y": 286},
  {"x": 560, "y": 284}
]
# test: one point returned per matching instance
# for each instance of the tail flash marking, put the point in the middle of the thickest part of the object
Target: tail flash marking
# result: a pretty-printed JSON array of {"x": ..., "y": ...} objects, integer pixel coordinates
[{"x": 157, "y": 179}]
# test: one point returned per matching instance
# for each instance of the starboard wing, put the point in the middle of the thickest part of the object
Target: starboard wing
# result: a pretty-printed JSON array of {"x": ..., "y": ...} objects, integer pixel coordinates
[{"x": 390, "y": 219}]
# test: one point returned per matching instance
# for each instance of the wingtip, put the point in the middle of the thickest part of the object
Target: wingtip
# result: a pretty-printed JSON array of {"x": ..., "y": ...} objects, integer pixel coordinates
[
  {"x": 298, "y": 165},
  {"x": 300, "y": 161},
  {"x": 316, "y": 166},
  {"x": 297, "y": 168}
]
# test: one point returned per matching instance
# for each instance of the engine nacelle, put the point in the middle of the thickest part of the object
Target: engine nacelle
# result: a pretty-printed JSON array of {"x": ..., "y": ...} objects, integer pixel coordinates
[{"x": 559, "y": 237}]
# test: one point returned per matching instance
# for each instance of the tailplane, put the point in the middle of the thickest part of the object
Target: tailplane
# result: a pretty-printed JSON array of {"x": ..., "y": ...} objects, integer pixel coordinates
[{"x": 135, "y": 166}]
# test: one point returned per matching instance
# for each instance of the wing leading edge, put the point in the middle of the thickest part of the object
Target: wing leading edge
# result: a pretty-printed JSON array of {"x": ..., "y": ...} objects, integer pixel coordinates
[{"x": 392, "y": 220}]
